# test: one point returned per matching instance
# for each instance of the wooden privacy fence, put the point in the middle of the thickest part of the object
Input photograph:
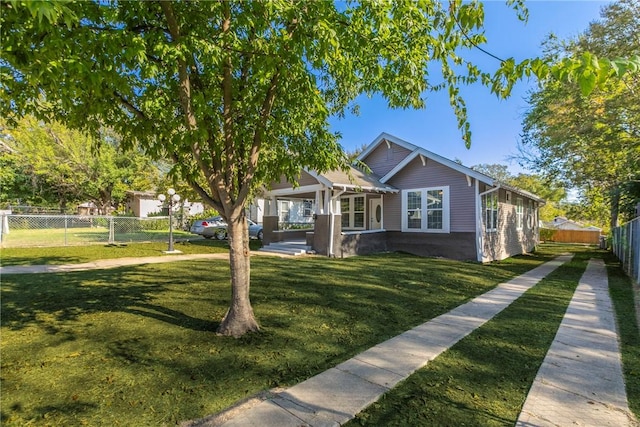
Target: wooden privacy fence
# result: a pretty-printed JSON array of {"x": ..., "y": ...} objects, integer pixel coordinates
[{"x": 570, "y": 236}]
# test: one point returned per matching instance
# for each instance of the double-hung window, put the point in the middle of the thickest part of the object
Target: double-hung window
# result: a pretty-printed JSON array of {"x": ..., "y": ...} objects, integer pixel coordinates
[
  {"x": 519, "y": 213},
  {"x": 352, "y": 211},
  {"x": 490, "y": 209},
  {"x": 426, "y": 210}
]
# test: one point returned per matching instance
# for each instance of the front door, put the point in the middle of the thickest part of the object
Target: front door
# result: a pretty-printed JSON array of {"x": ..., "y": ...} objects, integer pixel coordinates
[{"x": 375, "y": 214}]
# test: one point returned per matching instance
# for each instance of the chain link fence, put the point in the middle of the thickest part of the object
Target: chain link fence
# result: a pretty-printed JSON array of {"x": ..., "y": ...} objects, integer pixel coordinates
[
  {"x": 69, "y": 230},
  {"x": 626, "y": 246}
]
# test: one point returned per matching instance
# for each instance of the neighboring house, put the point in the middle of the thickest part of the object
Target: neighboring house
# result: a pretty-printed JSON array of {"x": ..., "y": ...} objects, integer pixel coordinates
[
  {"x": 256, "y": 210},
  {"x": 87, "y": 208},
  {"x": 562, "y": 223},
  {"x": 143, "y": 203},
  {"x": 412, "y": 200}
]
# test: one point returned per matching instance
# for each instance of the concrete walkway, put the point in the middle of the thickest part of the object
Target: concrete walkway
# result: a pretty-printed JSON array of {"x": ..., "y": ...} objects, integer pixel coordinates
[
  {"x": 335, "y": 396},
  {"x": 105, "y": 263},
  {"x": 580, "y": 381},
  {"x": 117, "y": 262}
]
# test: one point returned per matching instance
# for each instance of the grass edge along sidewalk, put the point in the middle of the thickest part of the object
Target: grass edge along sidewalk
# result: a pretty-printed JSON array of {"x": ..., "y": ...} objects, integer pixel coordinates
[
  {"x": 484, "y": 379},
  {"x": 183, "y": 357},
  {"x": 338, "y": 394}
]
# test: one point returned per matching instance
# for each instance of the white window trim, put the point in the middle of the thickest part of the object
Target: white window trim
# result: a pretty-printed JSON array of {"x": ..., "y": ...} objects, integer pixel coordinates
[
  {"x": 446, "y": 215},
  {"x": 486, "y": 197},
  {"x": 519, "y": 213},
  {"x": 352, "y": 211},
  {"x": 530, "y": 215}
]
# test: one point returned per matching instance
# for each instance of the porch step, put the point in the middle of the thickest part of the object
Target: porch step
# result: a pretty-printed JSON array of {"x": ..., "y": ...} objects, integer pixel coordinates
[{"x": 288, "y": 248}]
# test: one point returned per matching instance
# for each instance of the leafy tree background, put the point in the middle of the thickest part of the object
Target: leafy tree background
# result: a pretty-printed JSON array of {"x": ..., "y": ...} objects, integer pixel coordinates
[
  {"x": 47, "y": 163},
  {"x": 591, "y": 143}
]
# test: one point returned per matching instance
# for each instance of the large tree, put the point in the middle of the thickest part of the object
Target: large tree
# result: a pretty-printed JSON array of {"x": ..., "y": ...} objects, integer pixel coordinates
[
  {"x": 63, "y": 166},
  {"x": 591, "y": 143},
  {"x": 238, "y": 94}
]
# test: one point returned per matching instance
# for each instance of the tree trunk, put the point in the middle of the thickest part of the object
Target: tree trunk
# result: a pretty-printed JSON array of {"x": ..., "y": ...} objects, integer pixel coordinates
[
  {"x": 615, "y": 206},
  {"x": 239, "y": 318}
]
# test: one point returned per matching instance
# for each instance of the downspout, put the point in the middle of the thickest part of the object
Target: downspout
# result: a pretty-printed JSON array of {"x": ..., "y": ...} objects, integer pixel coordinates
[
  {"x": 479, "y": 236},
  {"x": 332, "y": 219}
]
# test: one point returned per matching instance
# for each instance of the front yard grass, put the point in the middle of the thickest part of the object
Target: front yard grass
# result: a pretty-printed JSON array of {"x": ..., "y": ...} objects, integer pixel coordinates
[
  {"x": 136, "y": 346},
  {"x": 87, "y": 253},
  {"x": 484, "y": 379}
]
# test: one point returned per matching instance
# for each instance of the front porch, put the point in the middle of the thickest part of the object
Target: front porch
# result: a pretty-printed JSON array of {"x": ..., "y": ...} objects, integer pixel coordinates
[{"x": 336, "y": 214}]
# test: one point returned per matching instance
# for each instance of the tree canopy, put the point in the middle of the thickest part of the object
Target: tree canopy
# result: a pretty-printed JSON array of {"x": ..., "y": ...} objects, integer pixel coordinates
[
  {"x": 238, "y": 94},
  {"x": 50, "y": 163},
  {"x": 591, "y": 143}
]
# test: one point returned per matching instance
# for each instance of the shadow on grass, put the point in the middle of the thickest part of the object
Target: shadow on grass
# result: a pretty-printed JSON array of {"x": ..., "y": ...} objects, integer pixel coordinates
[
  {"x": 145, "y": 334},
  {"x": 484, "y": 379}
]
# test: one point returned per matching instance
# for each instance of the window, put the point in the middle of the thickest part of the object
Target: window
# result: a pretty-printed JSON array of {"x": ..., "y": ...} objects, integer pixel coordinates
[
  {"x": 307, "y": 208},
  {"x": 283, "y": 210},
  {"x": 352, "y": 210},
  {"x": 414, "y": 209},
  {"x": 426, "y": 210},
  {"x": 434, "y": 209},
  {"x": 490, "y": 209},
  {"x": 530, "y": 215},
  {"x": 519, "y": 213}
]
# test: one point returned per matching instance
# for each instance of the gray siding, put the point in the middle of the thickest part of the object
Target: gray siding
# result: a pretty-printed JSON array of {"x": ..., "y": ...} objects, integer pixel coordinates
[
  {"x": 382, "y": 159},
  {"x": 508, "y": 241},
  {"x": 392, "y": 206},
  {"x": 303, "y": 179},
  {"x": 434, "y": 174}
]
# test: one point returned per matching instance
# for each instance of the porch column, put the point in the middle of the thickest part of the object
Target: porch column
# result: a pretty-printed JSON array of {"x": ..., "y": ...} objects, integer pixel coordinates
[{"x": 270, "y": 222}]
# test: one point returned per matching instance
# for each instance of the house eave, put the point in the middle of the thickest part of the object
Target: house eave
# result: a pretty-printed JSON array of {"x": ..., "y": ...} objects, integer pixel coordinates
[{"x": 421, "y": 152}]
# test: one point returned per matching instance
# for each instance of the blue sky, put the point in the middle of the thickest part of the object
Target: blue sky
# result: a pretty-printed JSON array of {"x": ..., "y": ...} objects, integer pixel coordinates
[{"x": 495, "y": 124}]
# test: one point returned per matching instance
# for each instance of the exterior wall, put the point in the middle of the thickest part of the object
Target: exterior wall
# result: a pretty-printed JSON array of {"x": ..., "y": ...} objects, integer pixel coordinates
[
  {"x": 304, "y": 179},
  {"x": 382, "y": 159},
  {"x": 143, "y": 207},
  {"x": 362, "y": 244},
  {"x": 507, "y": 240},
  {"x": 321, "y": 235},
  {"x": 269, "y": 229},
  {"x": 460, "y": 246},
  {"x": 461, "y": 196}
]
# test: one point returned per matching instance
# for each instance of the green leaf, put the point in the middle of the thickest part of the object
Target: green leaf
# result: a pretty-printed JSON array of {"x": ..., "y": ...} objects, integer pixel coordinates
[{"x": 587, "y": 82}]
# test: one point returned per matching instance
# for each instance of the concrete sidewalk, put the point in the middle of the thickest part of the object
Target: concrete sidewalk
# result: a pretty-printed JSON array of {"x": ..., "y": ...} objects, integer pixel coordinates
[
  {"x": 105, "y": 263},
  {"x": 335, "y": 396},
  {"x": 580, "y": 381},
  {"x": 118, "y": 262}
]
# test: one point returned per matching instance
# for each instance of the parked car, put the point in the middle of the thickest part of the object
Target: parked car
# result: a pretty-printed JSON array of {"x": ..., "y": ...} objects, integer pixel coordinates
[
  {"x": 220, "y": 231},
  {"x": 199, "y": 226}
]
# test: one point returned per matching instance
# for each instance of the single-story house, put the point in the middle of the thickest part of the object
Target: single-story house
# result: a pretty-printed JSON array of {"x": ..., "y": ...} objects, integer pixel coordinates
[
  {"x": 410, "y": 200},
  {"x": 562, "y": 223},
  {"x": 143, "y": 203}
]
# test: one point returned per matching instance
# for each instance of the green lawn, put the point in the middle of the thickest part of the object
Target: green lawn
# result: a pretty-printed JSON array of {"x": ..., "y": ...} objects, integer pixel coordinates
[
  {"x": 77, "y": 254},
  {"x": 136, "y": 346},
  {"x": 484, "y": 379},
  {"x": 52, "y": 237}
]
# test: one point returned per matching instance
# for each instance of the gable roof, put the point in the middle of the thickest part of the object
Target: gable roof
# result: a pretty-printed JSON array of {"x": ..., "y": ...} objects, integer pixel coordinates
[
  {"x": 426, "y": 154},
  {"x": 419, "y": 151},
  {"x": 354, "y": 179}
]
